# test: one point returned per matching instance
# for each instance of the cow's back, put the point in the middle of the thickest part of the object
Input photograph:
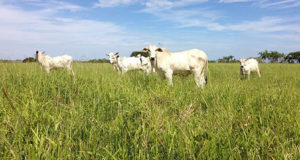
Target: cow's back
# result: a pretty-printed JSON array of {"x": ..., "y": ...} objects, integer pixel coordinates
[
  {"x": 61, "y": 61},
  {"x": 251, "y": 64},
  {"x": 130, "y": 62},
  {"x": 188, "y": 59}
]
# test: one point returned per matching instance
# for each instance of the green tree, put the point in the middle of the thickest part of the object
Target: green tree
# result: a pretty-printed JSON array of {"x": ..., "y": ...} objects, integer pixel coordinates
[
  {"x": 227, "y": 59},
  {"x": 265, "y": 55},
  {"x": 29, "y": 59},
  {"x": 272, "y": 56},
  {"x": 135, "y": 53},
  {"x": 293, "y": 57},
  {"x": 276, "y": 56},
  {"x": 99, "y": 60}
]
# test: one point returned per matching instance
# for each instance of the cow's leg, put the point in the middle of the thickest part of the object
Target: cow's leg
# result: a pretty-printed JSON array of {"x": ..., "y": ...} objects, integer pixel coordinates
[
  {"x": 123, "y": 71},
  {"x": 148, "y": 70},
  {"x": 258, "y": 72},
  {"x": 47, "y": 69},
  {"x": 199, "y": 78},
  {"x": 248, "y": 73},
  {"x": 202, "y": 80},
  {"x": 70, "y": 70},
  {"x": 152, "y": 69},
  {"x": 242, "y": 74},
  {"x": 168, "y": 76}
]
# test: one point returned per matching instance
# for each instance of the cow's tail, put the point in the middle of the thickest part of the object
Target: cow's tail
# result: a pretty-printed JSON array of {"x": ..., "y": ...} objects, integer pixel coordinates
[{"x": 206, "y": 72}]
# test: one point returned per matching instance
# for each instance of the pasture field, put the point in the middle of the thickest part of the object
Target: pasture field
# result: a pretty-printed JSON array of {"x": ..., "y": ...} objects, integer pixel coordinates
[{"x": 99, "y": 114}]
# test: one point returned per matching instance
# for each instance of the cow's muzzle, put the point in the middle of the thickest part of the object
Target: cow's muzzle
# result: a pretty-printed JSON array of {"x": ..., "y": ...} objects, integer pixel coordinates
[{"x": 152, "y": 58}]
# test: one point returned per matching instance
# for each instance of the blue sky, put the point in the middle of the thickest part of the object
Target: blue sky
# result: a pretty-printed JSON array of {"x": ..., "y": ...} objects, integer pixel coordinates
[{"x": 88, "y": 29}]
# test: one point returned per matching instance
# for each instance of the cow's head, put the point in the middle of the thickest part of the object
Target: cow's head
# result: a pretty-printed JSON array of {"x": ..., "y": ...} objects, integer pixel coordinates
[
  {"x": 242, "y": 62},
  {"x": 113, "y": 57},
  {"x": 38, "y": 54},
  {"x": 152, "y": 49},
  {"x": 144, "y": 60},
  {"x": 242, "y": 65}
]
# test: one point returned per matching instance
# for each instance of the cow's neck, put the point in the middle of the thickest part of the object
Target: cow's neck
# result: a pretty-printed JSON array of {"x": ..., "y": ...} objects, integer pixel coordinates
[
  {"x": 160, "y": 59},
  {"x": 118, "y": 58},
  {"x": 40, "y": 58}
]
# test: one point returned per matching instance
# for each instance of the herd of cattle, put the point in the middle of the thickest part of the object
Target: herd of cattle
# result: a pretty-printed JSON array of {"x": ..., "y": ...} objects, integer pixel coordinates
[{"x": 160, "y": 61}]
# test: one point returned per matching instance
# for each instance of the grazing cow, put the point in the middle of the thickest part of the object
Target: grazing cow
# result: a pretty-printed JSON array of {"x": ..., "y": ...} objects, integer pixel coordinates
[
  {"x": 49, "y": 63},
  {"x": 125, "y": 64},
  {"x": 248, "y": 66},
  {"x": 113, "y": 60},
  {"x": 190, "y": 61}
]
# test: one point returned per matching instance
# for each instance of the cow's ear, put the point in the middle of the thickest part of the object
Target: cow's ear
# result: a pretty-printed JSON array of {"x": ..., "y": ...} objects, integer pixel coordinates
[
  {"x": 43, "y": 52},
  {"x": 118, "y": 56},
  {"x": 117, "y": 53},
  {"x": 145, "y": 50},
  {"x": 159, "y": 50}
]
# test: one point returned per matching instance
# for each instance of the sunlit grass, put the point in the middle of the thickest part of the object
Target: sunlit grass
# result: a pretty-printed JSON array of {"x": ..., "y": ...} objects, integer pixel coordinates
[{"x": 99, "y": 114}]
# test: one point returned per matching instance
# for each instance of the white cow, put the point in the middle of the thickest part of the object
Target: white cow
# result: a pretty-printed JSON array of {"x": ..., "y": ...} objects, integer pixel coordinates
[
  {"x": 49, "y": 63},
  {"x": 248, "y": 66},
  {"x": 113, "y": 60},
  {"x": 190, "y": 61},
  {"x": 146, "y": 64},
  {"x": 125, "y": 64}
]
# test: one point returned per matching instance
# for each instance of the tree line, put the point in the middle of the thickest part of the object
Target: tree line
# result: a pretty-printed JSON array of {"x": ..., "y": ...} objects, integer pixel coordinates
[
  {"x": 31, "y": 59},
  {"x": 276, "y": 57},
  {"x": 268, "y": 56}
]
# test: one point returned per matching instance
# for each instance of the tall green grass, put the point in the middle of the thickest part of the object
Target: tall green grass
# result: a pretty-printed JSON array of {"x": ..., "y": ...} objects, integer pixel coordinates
[{"x": 100, "y": 114}]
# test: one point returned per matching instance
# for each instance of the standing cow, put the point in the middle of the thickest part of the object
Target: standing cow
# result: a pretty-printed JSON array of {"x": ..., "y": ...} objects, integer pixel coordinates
[
  {"x": 189, "y": 61},
  {"x": 125, "y": 64},
  {"x": 248, "y": 66},
  {"x": 49, "y": 63}
]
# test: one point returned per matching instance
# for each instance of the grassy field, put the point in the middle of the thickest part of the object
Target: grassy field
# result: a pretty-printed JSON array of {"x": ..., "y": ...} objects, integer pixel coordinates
[{"x": 102, "y": 115}]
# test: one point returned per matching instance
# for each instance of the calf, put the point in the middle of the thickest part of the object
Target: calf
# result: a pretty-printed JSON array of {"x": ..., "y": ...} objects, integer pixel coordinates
[
  {"x": 124, "y": 64},
  {"x": 248, "y": 66}
]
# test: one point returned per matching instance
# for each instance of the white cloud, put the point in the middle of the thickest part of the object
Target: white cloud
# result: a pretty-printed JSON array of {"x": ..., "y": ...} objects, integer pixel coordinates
[
  {"x": 41, "y": 23},
  {"x": 233, "y": 1},
  {"x": 171, "y": 4},
  {"x": 59, "y": 5},
  {"x": 174, "y": 11},
  {"x": 113, "y": 3},
  {"x": 209, "y": 19},
  {"x": 50, "y": 5},
  {"x": 22, "y": 32},
  {"x": 269, "y": 24},
  {"x": 282, "y": 4},
  {"x": 147, "y": 3}
]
